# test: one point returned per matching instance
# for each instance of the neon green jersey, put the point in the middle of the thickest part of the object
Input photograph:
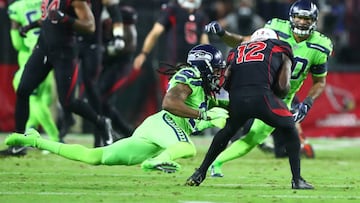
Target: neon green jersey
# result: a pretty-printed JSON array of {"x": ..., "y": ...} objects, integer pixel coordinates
[
  {"x": 310, "y": 55},
  {"x": 25, "y": 12},
  {"x": 196, "y": 100}
]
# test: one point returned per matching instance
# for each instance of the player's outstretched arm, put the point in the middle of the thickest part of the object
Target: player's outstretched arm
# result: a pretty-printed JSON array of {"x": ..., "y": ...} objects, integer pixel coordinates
[{"x": 231, "y": 39}]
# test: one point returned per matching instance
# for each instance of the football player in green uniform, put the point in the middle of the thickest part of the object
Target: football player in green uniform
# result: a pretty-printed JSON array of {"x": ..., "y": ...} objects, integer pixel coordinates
[
  {"x": 23, "y": 13},
  {"x": 189, "y": 105},
  {"x": 311, "y": 51}
]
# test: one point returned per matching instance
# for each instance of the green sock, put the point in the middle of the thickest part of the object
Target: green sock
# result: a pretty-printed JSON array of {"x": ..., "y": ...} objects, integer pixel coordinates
[
  {"x": 72, "y": 151},
  {"x": 237, "y": 149}
]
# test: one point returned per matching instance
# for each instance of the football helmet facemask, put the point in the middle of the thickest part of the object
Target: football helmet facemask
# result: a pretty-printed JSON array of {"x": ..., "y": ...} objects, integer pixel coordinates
[
  {"x": 303, "y": 9},
  {"x": 211, "y": 64}
]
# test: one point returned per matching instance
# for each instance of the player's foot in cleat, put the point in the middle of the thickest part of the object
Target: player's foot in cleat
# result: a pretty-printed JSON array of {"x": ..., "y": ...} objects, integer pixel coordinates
[
  {"x": 196, "y": 179},
  {"x": 215, "y": 171},
  {"x": 165, "y": 166},
  {"x": 28, "y": 139},
  {"x": 308, "y": 151},
  {"x": 301, "y": 184},
  {"x": 13, "y": 151}
]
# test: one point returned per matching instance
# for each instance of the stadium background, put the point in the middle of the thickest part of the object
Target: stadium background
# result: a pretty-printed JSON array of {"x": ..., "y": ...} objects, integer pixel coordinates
[{"x": 335, "y": 114}]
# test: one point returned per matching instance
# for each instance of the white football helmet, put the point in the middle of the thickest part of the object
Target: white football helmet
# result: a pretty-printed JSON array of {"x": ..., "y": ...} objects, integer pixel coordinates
[
  {"x": 263, "y": 34},
  {"x": 190, "y": 4}
]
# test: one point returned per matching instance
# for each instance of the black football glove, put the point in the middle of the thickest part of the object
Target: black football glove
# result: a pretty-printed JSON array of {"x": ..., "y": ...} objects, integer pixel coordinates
[
  {"x": 301, "y": 110},
  {"x": 214, "y": 28},
  {"x": 23, "y": 30}
]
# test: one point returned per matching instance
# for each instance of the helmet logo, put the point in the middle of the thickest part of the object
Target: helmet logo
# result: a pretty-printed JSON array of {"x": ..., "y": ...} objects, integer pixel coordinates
[{"x": 199, "y": 55}]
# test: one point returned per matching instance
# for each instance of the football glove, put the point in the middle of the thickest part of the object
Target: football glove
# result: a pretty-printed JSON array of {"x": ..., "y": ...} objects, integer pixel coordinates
[
  {"x": 301, "y": 110},
  {"x": 23, "y": 30},
  {"x": 214, "y": 28},
  {"x": 213, "y": 113},
  {"x": 217, "y": 122}
]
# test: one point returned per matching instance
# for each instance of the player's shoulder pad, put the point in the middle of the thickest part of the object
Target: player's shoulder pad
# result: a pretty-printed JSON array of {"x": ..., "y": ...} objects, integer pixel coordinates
[
  {"x": 320, "y": 42},
  {"x": 186, "y": 74},
  {"x": 285, "y": 47},
  {"x": 13, "y": 7},
  {"x": 280, "y": 26},
  {"x": 276, "y": 22}
]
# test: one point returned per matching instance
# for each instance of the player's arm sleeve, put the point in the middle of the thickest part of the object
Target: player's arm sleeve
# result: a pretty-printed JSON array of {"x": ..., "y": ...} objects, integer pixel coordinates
[
  {"x": 16, "y": 40},
  {"x": 319, "y": 69}
]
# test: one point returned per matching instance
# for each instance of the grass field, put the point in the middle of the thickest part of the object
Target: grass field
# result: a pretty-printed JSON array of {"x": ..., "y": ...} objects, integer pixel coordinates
[{"x": 257, "y": 177}]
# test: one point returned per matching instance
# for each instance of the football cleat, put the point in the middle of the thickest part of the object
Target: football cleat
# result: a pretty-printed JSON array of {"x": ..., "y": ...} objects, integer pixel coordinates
[
  {"x": 28, "y": 139},
  {"x": 196, "y": 179},
  {"x": 301, "y": 184},
  {"x": 13, "y": 151},
  {"x": 215, "y": 171},
  {"x": 157, "y": 165}
]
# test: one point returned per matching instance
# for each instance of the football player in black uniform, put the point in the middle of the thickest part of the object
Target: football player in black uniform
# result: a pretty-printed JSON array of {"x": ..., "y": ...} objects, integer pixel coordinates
[
  {"x": 90, "y": 55},
  {"x": 55, "y": 50},
  {"x": 258, "y": 77},
  {"x": 117, "y": 68},
  {"x": 183, "y": 22}
]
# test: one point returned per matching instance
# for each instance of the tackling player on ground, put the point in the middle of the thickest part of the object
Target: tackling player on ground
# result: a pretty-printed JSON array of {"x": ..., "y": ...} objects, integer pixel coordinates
[
  {"x": 311, "y": 51},
  {"x": 188, "y": 106}
]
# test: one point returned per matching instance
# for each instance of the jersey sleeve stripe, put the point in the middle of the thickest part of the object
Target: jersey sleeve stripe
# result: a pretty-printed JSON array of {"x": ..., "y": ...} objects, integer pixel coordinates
[{"x": 318, "y": 47}]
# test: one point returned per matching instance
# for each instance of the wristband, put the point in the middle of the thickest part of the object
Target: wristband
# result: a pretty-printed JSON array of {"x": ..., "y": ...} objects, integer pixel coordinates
[{"x": 308, "y": 101}]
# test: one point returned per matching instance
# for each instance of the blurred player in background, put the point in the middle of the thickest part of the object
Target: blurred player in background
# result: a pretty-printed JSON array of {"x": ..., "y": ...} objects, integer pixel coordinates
[
  {"x": 90, "y": 55},
  {"x": 117, "y": 70},
  {"x": 55, "y": 51},
  {"x": 183, "y": 22},
  {"x": 22, "y": 14},
  {"x": 188, "y": 106}
]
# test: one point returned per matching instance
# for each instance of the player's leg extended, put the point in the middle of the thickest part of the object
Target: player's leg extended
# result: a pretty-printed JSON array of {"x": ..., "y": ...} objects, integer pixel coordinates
[
  {"x": 129, "y": 151},
  {"x": 171, "y": 138},
  {"x": 74, "y": 152},
  {"x": 257, "y": 134}
]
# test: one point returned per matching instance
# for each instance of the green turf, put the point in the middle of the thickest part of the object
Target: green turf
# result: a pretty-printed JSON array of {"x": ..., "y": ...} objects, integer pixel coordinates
[{"x": 257, "y": 177}]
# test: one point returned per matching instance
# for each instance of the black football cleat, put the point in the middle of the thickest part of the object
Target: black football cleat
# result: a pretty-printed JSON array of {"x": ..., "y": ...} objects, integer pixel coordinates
[
  {"x": 13, "y": 151},
  {"x": 196, "y": 179},
  {"x": 301, "y": 184}
]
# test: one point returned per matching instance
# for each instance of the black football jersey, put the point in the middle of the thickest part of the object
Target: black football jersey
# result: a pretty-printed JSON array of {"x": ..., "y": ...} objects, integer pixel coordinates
[{"x": 257, "y": 63}]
